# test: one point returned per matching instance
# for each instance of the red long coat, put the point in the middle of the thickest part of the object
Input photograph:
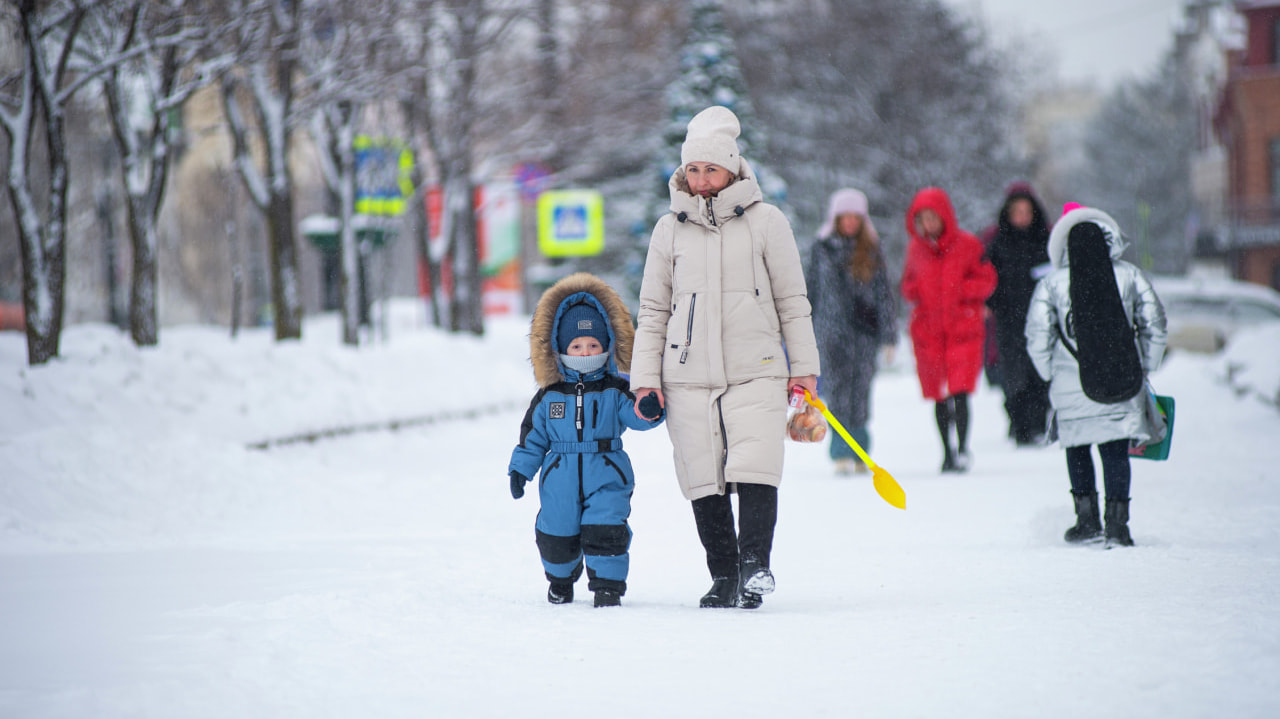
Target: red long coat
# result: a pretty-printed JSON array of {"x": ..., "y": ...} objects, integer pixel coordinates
[{"x": 948, "y": 282}]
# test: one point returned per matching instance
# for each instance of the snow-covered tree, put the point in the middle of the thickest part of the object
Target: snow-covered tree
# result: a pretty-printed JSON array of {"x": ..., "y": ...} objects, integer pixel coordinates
[
  {"x": 1137, "y": 167},
  {"x": 462, "y": 33},
  {"x": 885, "y": 95},
  {"x": 162, "y": 41},
  {"x": 594, "y": 73},
  {"x": 710, "y": 74},
  {"x": 33, "y": 108},
  {"x": 344, "y": 74},
  {"x": 266, "y": 35},
  {"x": 59, "y": 60}
]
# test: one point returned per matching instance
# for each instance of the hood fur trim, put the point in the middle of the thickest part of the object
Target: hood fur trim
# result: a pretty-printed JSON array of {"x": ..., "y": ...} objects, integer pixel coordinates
[
  {"x": 1062, "y": 228},
  {"x": 542, "y": 353}
]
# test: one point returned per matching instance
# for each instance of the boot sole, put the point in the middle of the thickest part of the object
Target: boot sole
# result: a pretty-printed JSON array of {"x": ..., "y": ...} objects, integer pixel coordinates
[{"x": 761, "y": 582}]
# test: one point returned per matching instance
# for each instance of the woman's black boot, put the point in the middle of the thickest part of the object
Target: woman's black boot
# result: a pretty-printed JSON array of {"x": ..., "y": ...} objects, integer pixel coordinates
[
  {"x": 1118, "y": 523},
  {"x": 722, "y": 595},
  {"x": 757, "y": 581},
  {"x": 714, "y": 517},
  {"x": 1088, "y": 524}
]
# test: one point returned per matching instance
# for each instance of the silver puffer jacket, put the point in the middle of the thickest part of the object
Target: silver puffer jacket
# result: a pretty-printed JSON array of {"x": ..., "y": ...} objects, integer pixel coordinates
[{"x": 1080, "y": 420}]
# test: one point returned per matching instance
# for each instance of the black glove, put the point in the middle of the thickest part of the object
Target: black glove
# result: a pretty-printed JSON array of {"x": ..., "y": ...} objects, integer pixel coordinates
[
  {"x": 517, "y": 485},
  {"x": 650, "y": 409}
]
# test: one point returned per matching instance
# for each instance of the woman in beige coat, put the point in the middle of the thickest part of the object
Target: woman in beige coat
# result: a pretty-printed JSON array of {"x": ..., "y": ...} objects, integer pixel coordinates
[{"x": 723, "y": 333}]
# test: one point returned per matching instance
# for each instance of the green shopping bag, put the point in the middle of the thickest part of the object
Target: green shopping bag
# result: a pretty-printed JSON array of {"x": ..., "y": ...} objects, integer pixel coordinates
[{"x": 1158, "y": 451}]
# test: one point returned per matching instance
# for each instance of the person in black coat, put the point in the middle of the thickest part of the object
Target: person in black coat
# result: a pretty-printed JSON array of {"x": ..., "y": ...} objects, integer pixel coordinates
[
  {"x": 1019, "y": 252},
  {"x": 854, "y": 317}
]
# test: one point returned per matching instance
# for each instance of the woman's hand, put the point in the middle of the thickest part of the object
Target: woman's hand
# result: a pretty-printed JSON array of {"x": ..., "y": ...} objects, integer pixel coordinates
[
  {"x": 809, "y": 382},
  {"x": 645, "y": 392}
]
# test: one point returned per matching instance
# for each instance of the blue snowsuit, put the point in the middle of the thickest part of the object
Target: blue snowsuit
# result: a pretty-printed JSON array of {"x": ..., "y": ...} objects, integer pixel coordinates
[{"x": 572, "y": 435}]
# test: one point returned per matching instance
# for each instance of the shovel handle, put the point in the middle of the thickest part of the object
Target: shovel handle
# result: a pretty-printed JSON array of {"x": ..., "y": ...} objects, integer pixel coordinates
[{"x": 840, "y": 430}]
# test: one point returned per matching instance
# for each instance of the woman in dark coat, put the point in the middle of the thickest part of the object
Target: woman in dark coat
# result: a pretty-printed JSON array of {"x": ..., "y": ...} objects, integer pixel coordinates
[
  {"x": 853, "y": 316},
  {"x": 1019, "y": 252}
]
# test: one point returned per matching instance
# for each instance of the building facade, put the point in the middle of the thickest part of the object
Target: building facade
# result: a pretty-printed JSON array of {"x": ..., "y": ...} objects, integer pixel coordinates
[{"x": 1248, "y": 126}]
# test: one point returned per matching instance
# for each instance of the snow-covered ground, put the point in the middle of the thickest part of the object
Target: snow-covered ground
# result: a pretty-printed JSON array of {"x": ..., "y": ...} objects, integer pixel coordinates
[{"x": 154, "y": 563}]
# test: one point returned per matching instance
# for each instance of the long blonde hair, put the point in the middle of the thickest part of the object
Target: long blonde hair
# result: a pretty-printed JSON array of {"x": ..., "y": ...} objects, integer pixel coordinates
[{"x": 865, "y": 259}]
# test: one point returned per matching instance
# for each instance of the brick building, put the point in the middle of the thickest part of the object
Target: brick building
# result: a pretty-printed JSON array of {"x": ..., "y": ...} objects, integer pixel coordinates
[{"x": 1248, "y": 124}]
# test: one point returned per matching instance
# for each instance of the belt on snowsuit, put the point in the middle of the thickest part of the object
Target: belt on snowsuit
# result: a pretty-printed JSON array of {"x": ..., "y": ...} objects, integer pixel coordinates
[{"x": 600, "y": 445}]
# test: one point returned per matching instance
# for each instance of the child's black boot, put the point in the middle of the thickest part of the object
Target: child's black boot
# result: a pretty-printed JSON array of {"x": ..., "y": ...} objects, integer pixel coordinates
[
  {"x": 608, "y": 598},
  {"x": 560, "y": 593}
]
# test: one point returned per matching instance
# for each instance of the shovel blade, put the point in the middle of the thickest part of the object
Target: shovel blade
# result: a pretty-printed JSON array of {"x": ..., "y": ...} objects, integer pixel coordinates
[{"x": 888, "y": 488}]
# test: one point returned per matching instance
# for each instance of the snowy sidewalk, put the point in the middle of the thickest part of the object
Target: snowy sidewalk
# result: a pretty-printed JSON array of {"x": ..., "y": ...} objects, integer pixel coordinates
[{"x": 157, "y": 567}]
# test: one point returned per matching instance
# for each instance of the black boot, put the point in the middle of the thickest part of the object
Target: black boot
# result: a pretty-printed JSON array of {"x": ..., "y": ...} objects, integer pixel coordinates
[
  {"x": 759, "y": 514},
  {"x": 1118, "y": 523},
  {"x": 1088, "y": 524},
  {"x": 757, "y": 581},
  {"x": 722, "y": 595},
  {"x": 560, "y": 593},
  {"x": 608, "y": 598},
  {"x": 714, "y": 517}
]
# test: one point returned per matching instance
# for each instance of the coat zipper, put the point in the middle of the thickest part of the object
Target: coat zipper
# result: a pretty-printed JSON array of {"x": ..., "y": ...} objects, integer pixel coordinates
[
  {"x": 578, "y": 415},
  {"x": 579, "y": 418},
  {"x": 724, "y": 437},
  {"x": 711, "y": 215},
  {"x": 688, "y": 337}
]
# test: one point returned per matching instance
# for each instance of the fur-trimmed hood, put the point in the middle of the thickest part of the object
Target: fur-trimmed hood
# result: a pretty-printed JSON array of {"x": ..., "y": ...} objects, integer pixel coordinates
[
  {"x": 547, "y": 369},
  {"x": 1058, "y": 237}
]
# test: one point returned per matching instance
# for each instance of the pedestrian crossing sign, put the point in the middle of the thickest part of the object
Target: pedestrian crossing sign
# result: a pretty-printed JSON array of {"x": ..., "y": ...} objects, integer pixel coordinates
[{"x": 570, "y": 223}]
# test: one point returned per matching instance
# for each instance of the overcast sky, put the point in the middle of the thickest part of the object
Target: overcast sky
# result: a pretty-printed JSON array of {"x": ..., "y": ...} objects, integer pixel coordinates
[{"x": 1100, "y": 40}]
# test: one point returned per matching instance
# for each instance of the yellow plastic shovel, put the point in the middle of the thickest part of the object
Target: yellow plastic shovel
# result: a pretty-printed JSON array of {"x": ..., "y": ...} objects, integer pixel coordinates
[{"x": 886, "y": 486}]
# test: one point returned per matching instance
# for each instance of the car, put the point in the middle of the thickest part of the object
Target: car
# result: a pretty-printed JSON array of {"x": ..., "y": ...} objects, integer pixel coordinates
[{"x": 1205, "y": 313}]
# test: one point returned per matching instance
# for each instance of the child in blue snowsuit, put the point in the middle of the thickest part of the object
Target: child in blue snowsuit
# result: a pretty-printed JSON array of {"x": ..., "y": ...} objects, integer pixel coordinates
[{"x": 580, "y": 340}]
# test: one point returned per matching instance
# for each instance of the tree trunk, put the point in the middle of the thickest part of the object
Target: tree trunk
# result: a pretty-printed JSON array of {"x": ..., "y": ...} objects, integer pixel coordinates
[
  {"x": 422, "y": 240},
  {"x": 44, "y": 291},
  {"x": 351, "y": 282},
  {"x": 285, "y": 300},
  {"x": 467, "y": 312},
  {"x": 43, "y": 282},
  {"x": 143, "y": 322},
  {"x": 467, "y": 262}
]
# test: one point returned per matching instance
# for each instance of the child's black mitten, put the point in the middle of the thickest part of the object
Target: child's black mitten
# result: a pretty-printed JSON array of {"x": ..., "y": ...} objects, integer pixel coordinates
[
  {"x": 517, "y": 484},
  {"x": 650, "y": 409}
]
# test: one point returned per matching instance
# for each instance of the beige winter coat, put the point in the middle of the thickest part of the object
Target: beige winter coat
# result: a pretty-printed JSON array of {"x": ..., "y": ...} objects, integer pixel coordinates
[{"x": 723, "y": 291}]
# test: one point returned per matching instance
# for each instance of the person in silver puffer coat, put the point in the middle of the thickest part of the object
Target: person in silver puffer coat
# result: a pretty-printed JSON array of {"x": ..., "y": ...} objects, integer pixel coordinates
[{"x": 1080, "y": 421}]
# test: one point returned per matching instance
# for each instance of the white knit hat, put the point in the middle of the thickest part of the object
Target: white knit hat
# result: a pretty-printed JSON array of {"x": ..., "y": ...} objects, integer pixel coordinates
[
  {"x": 843, "y": 201},
  {"x": 713, "y": 137}
]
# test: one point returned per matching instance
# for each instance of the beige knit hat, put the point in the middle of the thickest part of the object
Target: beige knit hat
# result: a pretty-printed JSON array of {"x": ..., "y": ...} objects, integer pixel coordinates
[{"x": 713, "y": 137}]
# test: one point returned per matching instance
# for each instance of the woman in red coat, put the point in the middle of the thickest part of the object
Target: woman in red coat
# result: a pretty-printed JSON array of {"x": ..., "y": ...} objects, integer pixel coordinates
[{"x": 947, "y": 279}]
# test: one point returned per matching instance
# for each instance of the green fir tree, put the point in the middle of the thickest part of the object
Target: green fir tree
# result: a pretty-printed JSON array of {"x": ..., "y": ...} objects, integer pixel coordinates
[{"x": 709, "y": 75}]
